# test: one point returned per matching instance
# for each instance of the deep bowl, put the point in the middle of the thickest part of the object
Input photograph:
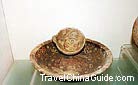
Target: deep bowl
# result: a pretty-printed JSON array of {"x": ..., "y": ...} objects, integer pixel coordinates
[
  {"x": 135, "y": 32},
  {"x": 69, "y": 41}
]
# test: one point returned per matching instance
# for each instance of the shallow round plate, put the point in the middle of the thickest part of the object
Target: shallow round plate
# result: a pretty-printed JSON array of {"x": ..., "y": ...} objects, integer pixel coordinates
[
  {"x": 93, "y": 59},
  {"x": 69, "y": 41}
]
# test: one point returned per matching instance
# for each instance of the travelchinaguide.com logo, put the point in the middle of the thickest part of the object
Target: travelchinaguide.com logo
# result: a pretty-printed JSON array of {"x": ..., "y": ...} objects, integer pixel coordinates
[{"x": 73, "y": 77}]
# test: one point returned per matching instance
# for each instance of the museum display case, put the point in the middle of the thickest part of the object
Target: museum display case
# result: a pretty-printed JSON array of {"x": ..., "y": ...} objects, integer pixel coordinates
[{"x": 34, "y": 46}]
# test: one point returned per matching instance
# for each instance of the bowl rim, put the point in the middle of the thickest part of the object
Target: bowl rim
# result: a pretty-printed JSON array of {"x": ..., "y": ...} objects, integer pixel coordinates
[{"x": 107, "y": 64}]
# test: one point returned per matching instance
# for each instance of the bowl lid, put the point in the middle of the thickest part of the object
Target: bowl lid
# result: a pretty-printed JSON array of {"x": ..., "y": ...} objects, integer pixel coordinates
[{"x": 69, "y": 41}]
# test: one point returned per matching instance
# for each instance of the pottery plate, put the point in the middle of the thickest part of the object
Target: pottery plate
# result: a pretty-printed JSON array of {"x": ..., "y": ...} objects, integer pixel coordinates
[{"x": 93, "y": 59}]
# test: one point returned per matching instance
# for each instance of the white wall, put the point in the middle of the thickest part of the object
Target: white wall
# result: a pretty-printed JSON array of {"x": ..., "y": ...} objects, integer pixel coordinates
[
  {"x": 31, "y": 22},
  {"x": 6, "y": 58}
]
